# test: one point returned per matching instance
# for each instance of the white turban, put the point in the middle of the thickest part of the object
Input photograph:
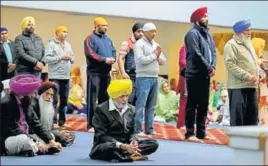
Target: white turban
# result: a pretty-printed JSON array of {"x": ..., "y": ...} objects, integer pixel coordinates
[{"x": 149, "y": 26}]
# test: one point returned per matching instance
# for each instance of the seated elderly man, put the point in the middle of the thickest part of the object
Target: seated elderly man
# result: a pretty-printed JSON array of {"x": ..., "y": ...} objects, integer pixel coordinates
[
  {"x": 114, "y": 123},
  {"x": 17, "y": 116},
  {"x": 45, "y": 112}
]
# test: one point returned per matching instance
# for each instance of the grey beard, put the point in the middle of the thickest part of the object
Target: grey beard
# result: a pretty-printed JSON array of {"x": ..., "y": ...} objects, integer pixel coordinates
[
  {"x": 120, "y": 105},
  {"x": 46, "y": 113}
]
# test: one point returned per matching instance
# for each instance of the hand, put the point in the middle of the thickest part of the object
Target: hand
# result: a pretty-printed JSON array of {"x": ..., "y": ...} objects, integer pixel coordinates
[
  {"x": 64, "y": 134},
  {"x": 158, "y": 51},
  {"x": 212, "y": 73},
  {"x": 11, "y": 67},
  {"x": 136, "y": 147},
  {"x": 109, "y": 60},
  {"x": 80, "y": 106},
  {"x": 52, "y": 143},
  {"x": 66, "y": 57},
  {"x": 125, "y": 75},
  {"x": 42, "y": 148},
  {"x": 39, "y": 66},
  {"x": 251, "y": 79}
]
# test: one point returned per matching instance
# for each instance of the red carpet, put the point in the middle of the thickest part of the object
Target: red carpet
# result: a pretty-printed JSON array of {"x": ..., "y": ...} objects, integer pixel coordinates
[{"x": 167, "y": 132}]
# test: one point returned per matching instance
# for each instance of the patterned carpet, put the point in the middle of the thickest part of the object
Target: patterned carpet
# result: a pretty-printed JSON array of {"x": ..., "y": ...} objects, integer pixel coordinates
[{"x": 167, "y": 131}]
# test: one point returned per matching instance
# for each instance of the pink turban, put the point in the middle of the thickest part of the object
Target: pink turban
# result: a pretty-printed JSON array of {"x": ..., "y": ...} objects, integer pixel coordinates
[{"x": 24, "y": 84}]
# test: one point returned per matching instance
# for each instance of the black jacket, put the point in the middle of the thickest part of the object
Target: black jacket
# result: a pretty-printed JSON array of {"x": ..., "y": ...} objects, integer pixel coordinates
[
  {"x": 109, "y": 126},
  {"x": 198, "y": 43},
  {"x": 3, "y": 60},
  {"x": 10, "y": 115},
  {"x": 30, "y": 50}
]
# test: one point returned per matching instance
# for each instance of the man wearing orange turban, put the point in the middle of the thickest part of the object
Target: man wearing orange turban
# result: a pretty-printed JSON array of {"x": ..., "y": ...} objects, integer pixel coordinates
[
  {"x": 59, "y": 56},
  {"x": 100, "y": 55},
  {"x": 200, "y": 67},
  {"x": 30, "y": 49},
  {"x": 115, "y": 120}
]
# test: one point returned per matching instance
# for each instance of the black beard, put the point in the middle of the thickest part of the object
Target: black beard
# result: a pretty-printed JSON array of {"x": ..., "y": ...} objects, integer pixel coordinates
[
  {"x": 101, "y": 32},
  {"x": 205, "y": 25}
]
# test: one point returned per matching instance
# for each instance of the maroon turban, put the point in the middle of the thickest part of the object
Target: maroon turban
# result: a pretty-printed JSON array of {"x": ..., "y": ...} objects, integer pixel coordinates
[
  {"x": 198, "y": 14},
  {"x": 24, "y": 84},
  {"x": 47, "y": 85}
]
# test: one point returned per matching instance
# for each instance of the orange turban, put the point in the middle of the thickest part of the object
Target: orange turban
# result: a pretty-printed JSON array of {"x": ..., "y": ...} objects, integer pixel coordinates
[
  {"x": 25, "y": 21},
  {"x": 258, "y": 45},
  {"x": 100, "y": 21},
  {"x": 61, "y": 29},
  {"x": 198, "y": 14}
]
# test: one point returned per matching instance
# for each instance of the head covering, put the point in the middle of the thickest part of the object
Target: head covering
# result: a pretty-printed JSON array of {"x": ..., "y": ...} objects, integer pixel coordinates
[
  {"x": 3, "y": 29},
  {"x": 24, "y": 84},
  {"x": 46, "y": 86},
  {"x": 258, "y": 44},
  {"x": 100, "y": 21},
  {"x": 6, "y": 84},
  {"x": 198, "y": 14},
  {"x": 25, "y": 21},
  {"x": 137, "y": 26},
  {"x": 61, "y": 28},
  {"x": 241, "y": 26},
  {"x": 118, "y": 88},
  {"x": 149, "y": 26}
]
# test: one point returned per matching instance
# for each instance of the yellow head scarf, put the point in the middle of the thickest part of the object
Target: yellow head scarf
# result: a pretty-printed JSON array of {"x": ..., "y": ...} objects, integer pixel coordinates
[
  {"x": 61, "y": 29},
  {"x": 258, "y": 45},
  {"x": 25, "y": 21},
  {"x": 100, "y": 21},
  {"x": 118, "y": 88}
]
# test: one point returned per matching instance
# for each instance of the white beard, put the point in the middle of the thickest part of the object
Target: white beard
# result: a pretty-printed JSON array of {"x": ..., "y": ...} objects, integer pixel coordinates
[{"x": 46, "y": 113}]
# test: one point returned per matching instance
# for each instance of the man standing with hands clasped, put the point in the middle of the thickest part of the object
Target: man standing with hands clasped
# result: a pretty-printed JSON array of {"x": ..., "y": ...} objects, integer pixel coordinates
[
  {"x": 59, "y": 57},
  {"x": 100, "y": 55},
  {"x": 200, "y": 67},
  {"x": 244, "y": 74},
  {"x": 148, "y": 56}
]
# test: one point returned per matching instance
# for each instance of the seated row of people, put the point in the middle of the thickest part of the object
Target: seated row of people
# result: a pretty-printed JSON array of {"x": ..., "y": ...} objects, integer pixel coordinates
[{"x": 27, "y": 119}]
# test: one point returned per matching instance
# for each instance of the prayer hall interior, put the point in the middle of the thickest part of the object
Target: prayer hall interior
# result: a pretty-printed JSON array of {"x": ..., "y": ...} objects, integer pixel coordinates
[{"x": 170, "y": 35}]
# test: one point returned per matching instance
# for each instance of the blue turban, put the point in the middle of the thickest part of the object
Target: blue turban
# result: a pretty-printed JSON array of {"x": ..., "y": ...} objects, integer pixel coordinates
[
  {"x": 241, "y": 26},
  {"x": 3, "y": 29}
]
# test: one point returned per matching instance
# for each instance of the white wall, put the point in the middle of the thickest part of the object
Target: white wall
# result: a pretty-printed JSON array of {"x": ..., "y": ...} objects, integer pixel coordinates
[{"x": 224, "y": 13}]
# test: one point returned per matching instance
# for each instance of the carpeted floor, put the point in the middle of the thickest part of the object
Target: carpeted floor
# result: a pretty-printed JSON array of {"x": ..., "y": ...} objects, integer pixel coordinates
[
  {"x": 169, "y": 153},
  {"x": 167, "y": 131}
]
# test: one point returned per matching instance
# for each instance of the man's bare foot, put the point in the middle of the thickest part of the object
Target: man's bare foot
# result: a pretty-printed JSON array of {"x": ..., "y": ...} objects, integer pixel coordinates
[
  {"x": 91, "y": 130},
  {"x": 193, "y": 138},
  {"x": 138, "y": 157},
  {"x": 154, "y": 133},
  {"x": 142, "y": 134},
  {"x": 208, "y": 138}
]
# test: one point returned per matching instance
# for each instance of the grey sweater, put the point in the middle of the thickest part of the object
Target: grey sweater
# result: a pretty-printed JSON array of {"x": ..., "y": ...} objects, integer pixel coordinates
[
  {"x": 57, "y": 68},
  {"x": 147, "y": 64}
]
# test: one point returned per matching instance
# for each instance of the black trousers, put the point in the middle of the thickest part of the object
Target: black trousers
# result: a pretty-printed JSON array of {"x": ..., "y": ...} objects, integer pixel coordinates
[
  {"x": 63, "y": 94},
  {"x": 108, "y": 151},
  {"x": 243, "y": 106},
  {"x": 96, "y": 91},
  {"x": 197, "y": 106}
]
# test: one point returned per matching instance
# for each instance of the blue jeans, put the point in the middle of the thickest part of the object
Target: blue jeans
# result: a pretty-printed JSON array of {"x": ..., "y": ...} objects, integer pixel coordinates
[{"x": 146, "y": 93}]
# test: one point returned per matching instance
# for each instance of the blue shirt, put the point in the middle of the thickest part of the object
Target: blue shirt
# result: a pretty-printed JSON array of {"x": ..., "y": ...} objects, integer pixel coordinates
[{"x": 8, "y": 51}]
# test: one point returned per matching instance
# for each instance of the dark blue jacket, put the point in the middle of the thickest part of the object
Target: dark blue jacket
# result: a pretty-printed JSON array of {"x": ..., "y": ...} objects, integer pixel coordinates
[
  {"x": 97, "y": 48},
  {"x": 198, "y": 41}
]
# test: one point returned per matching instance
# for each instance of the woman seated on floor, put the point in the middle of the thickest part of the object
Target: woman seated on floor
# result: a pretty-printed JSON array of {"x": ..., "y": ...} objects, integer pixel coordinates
[
  {"x": 76, "y": 101},
  {"x": 45, "y": 112},
  {"x": 167, "y": 104}
]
